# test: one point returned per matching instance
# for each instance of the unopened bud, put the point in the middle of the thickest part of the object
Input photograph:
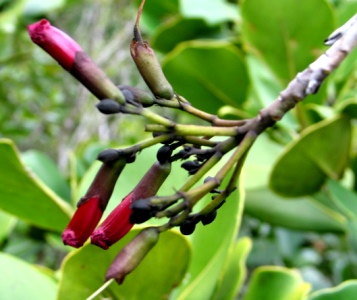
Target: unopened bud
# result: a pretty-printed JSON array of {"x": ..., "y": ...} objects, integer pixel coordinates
[
  {"x": 209, "y": 218},
  {"x": 108, "y": 106},
  {"x": 187, "y": 228},
  {"x": 164, "y": 154},
  {"x": 133, "y": 94},
  {"x": 132, "y": 254},
  {"x": 149, "y": 67}
]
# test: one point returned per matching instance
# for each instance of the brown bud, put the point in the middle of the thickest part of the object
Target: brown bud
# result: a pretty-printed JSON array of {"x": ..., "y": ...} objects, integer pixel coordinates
[
  {"x": 149, "y": 67},
  {"x": 132, "y": 254}
]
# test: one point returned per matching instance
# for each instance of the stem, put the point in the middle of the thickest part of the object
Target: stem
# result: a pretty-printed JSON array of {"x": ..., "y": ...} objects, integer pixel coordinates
[
  {"x": 101, "y": 289},
  {"x": 194, "y": 130},
  {"x": 140, "y": 146},
  {"x": 187, "y": 107}
]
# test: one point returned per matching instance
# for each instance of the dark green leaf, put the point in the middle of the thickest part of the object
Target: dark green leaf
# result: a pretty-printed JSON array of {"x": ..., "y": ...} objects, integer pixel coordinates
[
  {"x": 208, "y": 74},
  {"x": 322, "y": 151},
  {"x": 25, "y": 196}
]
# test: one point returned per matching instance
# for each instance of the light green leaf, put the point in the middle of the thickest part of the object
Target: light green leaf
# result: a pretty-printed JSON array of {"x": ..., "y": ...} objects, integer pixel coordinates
[
  {"x": 213, "y": 11},
  {"x": 345, "y": 291},
  {"x": 322, "y": 151},
  {"x": 277, "y": 34},
  {"x": 46, "y": 170},
  {"x": 20, "y": 280},
  {"x": 6, "y": 223},
  {"x": 235, "y": 271},
  {"x": 276, "y": 283},
  {"x": 208, "y": 74},
  {"x": 83, "y": 271},
  {"x": 301, "y": 214},
  {"x": 155, "y": 12},
  {"x": 210, "y": 247},
  {"x": 25, "y": 196}
]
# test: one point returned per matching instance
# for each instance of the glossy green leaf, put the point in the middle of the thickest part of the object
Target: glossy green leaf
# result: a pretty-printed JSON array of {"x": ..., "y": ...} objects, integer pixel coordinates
[
  {"x": 320, "y": 152},
  {"x": 6, "y": 223},
  {"x": 25, "y": 196},
  {"x": 20, "y": 280},
  {"x": 179, "y": 29},
  {"x": 277, "y": 34},
  {"x": 209, "y": 74},
  {"x": 276, "y": 283},
  {"x": 213, "y": 11},
  {"x": 344, "y": 198},
  {"x": 345, "y": 291},
  {"x": 210, "y": 246},
  {"x": 235, "y": 271},
  {"x": 46, "y": 170},
  {"x": 83, "y": 271},
  {"x": 155, "y": 12},
  {"x": 301, "y": 214}
]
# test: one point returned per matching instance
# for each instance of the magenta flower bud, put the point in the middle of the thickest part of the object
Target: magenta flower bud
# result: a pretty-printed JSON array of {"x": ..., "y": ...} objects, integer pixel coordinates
[
  {"x": 90, "y": 208},
  {"x": 117, "y": 224},
  {"x": 55, "y": 42},
  {"x": 132, "y": 254},
  {"x": 71, "y": 57}
]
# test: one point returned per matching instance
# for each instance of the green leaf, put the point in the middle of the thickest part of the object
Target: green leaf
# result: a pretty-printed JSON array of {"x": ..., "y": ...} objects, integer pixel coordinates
[
  {"x": 47, "y": 171},
  {"x": 213, "y": 11},
  {"x": 83, "y": 271},
  {"x": 6, "y": 223},
  {"x": 301, "y": 214},
  {"x": 155, "y": 12},
  {"x": 21, "y": 280},
  {"x": 177, "y": 30},
  {"x": 320, "y": 152},
  {"x": 25, "y": 196},
  {"x": 210, "y": 246},
  {"x": 276, "y": 283},
  {"x": 235, "y": 271},
  {"x": 345, "y": 291},
  {"x": 277, "y": 34},
  {"x": 208, "y": 74},
  {"x": 345, "y": 199}
]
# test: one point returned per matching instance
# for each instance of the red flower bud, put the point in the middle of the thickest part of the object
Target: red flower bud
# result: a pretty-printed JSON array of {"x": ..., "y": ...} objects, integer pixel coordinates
[
  {"x": 72, "y": 58},
  {"x": 117, "y": 224},
  {"x": 55, "y": 42},
  {"x": 81, "y": 225},
  {"x": 92, "y": 205}
]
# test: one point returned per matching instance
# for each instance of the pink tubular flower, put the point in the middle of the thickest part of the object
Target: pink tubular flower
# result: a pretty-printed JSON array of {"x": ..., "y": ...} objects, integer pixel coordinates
[
  {"x": 81, "y": 225},
  {"x": 92, "y": 205},
  {"x": 117, "y": 224},
  {"x": 55, "y": 42},
  {"x": 72, "y": 58}
]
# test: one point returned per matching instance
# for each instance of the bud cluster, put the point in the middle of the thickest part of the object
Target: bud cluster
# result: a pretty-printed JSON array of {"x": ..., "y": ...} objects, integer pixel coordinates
[{"x": 192, "y": 144}]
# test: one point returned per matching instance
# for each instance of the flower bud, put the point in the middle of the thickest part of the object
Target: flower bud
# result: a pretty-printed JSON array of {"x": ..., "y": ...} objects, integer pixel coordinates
[
  {"x": 90, "y": 208},
  {"x": 209, "y": 218},
  {"x": 72, "y": 58},
  {"x": 132, "y": 254},
  {"x": 134, "y": 94},
  {"x": 118, "y": 223},
  {"x": 149, "y": 67},
  {"x": 108, "y": 106}
]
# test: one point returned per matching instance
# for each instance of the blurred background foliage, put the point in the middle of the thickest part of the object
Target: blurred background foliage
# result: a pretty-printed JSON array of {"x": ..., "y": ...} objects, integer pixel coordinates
[{"x": 226, "y": 57}]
